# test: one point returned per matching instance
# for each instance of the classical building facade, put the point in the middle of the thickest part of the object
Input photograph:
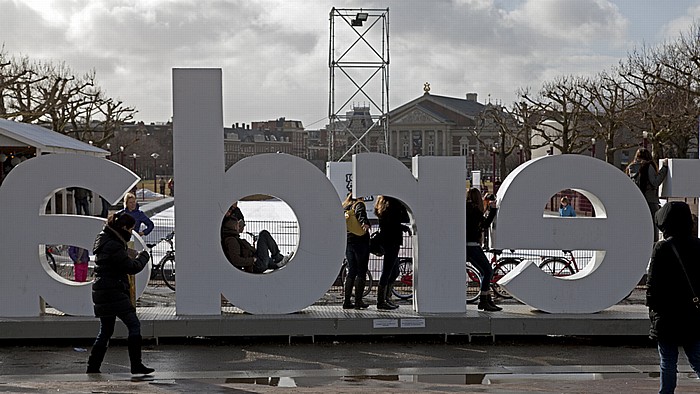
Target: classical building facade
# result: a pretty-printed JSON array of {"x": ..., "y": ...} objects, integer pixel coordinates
[{"x": 433, "y": 125}]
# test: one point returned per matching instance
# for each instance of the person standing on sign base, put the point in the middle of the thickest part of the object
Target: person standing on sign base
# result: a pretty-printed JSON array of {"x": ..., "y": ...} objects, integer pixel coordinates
[
  {"x": 391, "y": 214},
  {"x": 648, "y": 177},
  {"x": 356, "y": 251}
]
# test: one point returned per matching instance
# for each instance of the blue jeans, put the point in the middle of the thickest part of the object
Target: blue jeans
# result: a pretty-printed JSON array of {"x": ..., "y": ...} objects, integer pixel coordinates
[
  {"x": 668, "y": 353},
  {"x": 476, "y": 256},
  {"x": 82, "y": 205},
  {"x": 107, "y": 327},
  {"x": 357, "y": 255},
  {"x": 266, "y": 251}
]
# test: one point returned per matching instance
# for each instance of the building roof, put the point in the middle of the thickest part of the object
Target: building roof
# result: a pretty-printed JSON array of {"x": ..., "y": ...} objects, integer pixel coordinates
[
  {"x": 434, "y": 105},
  {"x": 46, "y": 140}
]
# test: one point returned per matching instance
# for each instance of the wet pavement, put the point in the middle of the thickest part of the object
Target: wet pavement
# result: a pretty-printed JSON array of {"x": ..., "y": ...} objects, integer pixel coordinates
[
  {"x": 351, "y": 365},
  {"x": 382, "y": 364}
]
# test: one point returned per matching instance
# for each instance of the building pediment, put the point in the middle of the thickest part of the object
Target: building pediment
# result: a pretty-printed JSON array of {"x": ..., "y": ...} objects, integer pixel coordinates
[{"x": 416, "y": 116}]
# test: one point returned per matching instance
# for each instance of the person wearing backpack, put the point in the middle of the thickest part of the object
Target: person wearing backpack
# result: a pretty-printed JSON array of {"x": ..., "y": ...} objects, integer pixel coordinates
[
  {"x": 648, "y": 177},
  {"x": 356, "y": 251}
]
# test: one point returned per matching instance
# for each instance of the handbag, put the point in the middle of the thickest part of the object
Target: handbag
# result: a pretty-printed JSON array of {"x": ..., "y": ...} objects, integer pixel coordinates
[
  {"x": 351, "y": 223},
  {"x": 375, "y": 244},
  {"x": 696, "y": 300}
]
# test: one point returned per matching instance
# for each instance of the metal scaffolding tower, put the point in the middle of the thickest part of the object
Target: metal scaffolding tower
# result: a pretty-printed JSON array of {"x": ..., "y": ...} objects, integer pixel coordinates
[{"x": 359, "y": 56}]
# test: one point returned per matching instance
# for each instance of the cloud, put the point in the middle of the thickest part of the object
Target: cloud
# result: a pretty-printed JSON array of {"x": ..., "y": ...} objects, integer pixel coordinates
[{"x": 274, "y": 53}]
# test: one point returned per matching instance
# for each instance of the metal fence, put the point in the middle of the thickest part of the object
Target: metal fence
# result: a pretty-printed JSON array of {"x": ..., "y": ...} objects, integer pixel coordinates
[{"x": 286, "y": 233}]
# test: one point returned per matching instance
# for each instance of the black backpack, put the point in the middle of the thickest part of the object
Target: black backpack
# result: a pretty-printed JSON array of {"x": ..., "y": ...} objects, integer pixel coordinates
[{"x": 641, "y": 177}]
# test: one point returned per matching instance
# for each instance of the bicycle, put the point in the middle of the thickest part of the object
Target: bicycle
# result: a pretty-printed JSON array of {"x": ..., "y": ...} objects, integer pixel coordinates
[
  {"x": 369, "y": 281},
  {"x": 403, "y": 287},
  {"x": 62, "y": 269},
  {"x": 166, "y": 266},
  {"x": 560, "y": 266}
]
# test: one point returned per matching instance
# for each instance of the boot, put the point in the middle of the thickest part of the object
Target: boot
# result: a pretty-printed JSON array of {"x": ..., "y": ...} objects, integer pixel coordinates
[
  {"x": 97, "y": 354},
  {"x": 381, "y": 299},
  {"x": 347, "y": 292},
  {"x": 486, "y": 303},
  {"x": 137, "y": 367},
  {"x": 389, "y": 294},
  {"x": 493, "y": 303},
  {"x": 359, "y": 292}
]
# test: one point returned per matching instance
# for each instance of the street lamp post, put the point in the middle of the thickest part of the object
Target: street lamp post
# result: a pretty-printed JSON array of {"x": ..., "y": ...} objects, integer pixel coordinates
[
  {"x": 493, "y": 177},
  {"x": 592, "y": 147},
  {"x": 645, "y": 135},
  {"x": 3, "y": 157},
  {"x": 121, "y": 155},
  {"x": 109, "y": 146},
  {"x": 473, "y": 166},
  {"x": 155, "y": 171},
  {"x": 520, "y": 152},
  {"x": 551, "y": 149}
]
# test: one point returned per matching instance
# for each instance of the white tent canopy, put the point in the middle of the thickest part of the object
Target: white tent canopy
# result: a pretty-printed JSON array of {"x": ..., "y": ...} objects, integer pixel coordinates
[{"x": 21, "y": 141}]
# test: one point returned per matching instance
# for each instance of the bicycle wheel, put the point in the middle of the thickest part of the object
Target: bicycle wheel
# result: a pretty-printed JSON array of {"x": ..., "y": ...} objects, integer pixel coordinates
[
  {"x": 52, "y": 261},
  {"x": 503, "y": 266},
  {"x": 556, "y": 266},
  {"x": 403, "y": 286},
  {"x": 473, "y": 284},
  {"x": 167, "y": 271}
]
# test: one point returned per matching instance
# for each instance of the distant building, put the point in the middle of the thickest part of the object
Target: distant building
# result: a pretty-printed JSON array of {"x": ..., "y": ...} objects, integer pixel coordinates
[
  {"x": 263, "y": 137},
  {"x": 432, "y": 125}
]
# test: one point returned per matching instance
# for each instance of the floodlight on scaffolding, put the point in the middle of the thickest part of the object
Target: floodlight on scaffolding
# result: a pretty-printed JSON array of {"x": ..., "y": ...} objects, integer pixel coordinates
[{"x": 359, "y": 18}]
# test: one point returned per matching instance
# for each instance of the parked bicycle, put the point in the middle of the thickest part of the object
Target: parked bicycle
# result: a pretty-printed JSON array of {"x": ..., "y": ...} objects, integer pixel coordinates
[
  {"x": 165, "y": 268},
  {"x": 403, "y": 287},
  {"x": 560, "y": 266},
  {"x": 63, "y": 269}
]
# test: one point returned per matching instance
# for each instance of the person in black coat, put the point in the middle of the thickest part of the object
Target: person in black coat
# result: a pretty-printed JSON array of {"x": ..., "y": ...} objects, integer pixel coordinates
[
  {"x": 478, "y": 221},
  {"x": 110, "y": 291},
  {"x": 356, "y": 254},
  {"x": 675, "y": 317},
  {"x": 391, "y": 214}
]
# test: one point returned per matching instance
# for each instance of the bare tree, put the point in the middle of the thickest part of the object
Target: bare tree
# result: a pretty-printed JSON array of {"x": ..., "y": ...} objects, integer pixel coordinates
[
  {"x": 52, "y": 94},
  {"x": 561, "y": 106},
  {"x": 609, "y": 103}
]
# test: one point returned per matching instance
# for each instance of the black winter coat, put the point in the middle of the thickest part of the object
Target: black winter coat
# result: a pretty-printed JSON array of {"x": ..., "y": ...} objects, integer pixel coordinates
[
  {"x": 669, "y": 298},
  {"x": 390, "y": 223},
  {"x": 477, "y": 222},
  {"x": 110, "y": 291}
]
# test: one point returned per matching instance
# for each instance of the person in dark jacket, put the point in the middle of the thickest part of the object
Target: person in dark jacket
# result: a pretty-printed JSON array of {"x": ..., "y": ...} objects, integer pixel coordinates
[
  {"x": 357, "y": 255},
  {"x": 391, "y": 214},
  {"x": 477, "y": 222},
  {"x": 675, "y": 317},
  {"x": 241, "y": 254},
  {"x": 110, "y": 291},
  {"x": 647, "y": 175}
]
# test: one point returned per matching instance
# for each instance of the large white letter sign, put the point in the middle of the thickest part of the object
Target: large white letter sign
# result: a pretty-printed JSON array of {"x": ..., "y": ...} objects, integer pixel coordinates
[
  {"x": 205, "y": 193},
  {"x": 622, "y": 229},
  {"x": 23, "y": 198},
  {"x": 677, "y": 183},
  {"x": 435, "y": 195}
]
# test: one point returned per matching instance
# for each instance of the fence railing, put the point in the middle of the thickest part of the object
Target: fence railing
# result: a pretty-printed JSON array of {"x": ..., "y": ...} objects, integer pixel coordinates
[{"x": 286, "y": 233}]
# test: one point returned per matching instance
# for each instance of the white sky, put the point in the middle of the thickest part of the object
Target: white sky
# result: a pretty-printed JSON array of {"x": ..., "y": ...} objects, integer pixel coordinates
[{"x": 274, "y": 53}]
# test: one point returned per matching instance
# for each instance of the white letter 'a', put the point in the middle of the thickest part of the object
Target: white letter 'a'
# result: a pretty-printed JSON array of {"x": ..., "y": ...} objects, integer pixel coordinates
[
  {"x": 23, "y": 198},
  {"x": 204, "y": 194},
  {"x": 622, "y": 229}
]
